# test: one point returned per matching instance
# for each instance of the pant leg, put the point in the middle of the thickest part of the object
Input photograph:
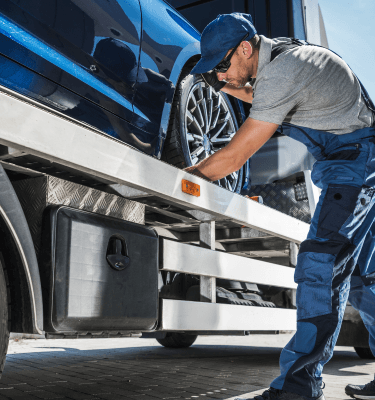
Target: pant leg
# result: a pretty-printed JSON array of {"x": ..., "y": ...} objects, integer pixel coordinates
[
  {"x": 362, "y": 298},
  {"x": 362, "y": 290},
  {"x": 325, "y": 263}
]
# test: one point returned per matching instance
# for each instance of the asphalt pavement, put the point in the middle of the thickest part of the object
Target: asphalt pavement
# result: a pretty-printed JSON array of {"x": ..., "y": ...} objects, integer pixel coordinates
[{"x": 111, "y": 369}]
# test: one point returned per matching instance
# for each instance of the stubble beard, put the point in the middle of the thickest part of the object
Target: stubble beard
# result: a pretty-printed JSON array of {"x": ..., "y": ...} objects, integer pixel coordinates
[
  {"x": 246, "y": 77},
  {"x": 242, "y": 79},
  {"x": 241, "y": 82}
]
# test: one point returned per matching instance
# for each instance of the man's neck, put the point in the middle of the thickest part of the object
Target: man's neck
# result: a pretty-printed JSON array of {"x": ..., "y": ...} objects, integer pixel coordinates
[{"x": 253, "y": 67}]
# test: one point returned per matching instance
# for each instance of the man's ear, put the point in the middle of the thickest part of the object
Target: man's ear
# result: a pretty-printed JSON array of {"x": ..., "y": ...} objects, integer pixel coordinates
[{"x": 247, "y": 49}]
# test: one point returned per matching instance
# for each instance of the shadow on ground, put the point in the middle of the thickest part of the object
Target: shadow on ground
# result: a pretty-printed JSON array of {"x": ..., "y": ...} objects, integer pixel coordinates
[{"x": 151, "y": 372}]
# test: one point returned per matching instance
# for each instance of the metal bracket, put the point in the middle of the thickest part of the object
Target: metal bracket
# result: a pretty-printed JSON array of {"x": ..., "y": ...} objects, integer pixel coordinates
[
  {"x": 293, "y": 254},
  {"x": 207, "y": 240},
  {"x": 313, "y": 192}
]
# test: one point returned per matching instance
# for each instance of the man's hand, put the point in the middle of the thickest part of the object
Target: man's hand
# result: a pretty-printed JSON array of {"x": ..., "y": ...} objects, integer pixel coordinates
[
  {"x": 211, "y": 79},
  {"x": 250, "y": 138},
  {"x": 195, "y": 171},
  {"x": 190, "y": 169}
]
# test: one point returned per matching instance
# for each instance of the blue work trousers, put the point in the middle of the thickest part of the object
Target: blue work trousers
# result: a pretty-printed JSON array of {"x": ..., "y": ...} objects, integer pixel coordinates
[{"x": 335, "y": 262}]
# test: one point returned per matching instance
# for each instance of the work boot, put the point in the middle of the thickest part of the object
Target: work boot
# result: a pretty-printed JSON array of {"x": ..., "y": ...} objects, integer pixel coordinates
[
  {"x": 361, "y": 391},
  {"x": 275, "y": 394}
]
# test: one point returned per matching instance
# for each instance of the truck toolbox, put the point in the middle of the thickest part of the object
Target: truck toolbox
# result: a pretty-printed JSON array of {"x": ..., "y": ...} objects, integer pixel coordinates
[
  {"x": 100, "y": 273},
  {"x": 37, "y": 193}
]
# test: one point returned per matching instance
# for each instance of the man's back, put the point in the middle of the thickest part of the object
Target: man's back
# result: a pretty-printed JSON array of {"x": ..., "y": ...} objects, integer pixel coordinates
[{"x": 308, "y": 86}]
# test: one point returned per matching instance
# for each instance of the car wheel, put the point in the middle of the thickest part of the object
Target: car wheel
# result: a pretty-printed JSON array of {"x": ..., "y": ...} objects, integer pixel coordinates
[
  {"x": 202, "y": 122},
  {"x": 177, "y": 340},
  {"x": 364, "y": 352}
]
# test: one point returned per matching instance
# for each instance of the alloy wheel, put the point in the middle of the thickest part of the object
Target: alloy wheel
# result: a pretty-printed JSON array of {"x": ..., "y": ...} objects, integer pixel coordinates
[{"x": 209, "y": 126}]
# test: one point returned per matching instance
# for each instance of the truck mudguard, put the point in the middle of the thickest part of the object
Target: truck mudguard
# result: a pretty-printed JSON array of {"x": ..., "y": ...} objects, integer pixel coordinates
[{"x": 23, "y": 272}]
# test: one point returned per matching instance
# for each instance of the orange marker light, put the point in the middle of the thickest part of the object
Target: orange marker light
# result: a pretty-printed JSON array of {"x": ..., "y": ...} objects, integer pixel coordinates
[
  {"x": 191, "y": 188},
  {"x": 258, "y": 199}
]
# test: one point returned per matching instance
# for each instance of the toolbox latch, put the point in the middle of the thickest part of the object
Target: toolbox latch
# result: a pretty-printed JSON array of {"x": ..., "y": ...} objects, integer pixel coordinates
[{"x": 117, "y": 254}]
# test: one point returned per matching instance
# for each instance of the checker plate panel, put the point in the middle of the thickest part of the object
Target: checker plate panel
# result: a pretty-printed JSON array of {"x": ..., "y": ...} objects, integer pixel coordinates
[
  {"x": 280, "y": 196},
  {"x": 35, "y": 194}
]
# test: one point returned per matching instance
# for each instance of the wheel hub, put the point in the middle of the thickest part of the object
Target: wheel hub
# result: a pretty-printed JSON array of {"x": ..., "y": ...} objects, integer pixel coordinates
[{"x": 207, "y": 144}]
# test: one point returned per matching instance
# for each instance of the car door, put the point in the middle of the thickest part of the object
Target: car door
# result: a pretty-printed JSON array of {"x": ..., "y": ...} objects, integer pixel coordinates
[{"x": 90, "y": 47}]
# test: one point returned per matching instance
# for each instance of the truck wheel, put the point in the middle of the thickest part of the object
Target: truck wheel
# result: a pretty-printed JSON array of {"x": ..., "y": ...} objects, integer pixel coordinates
[
  {"x": 177, "y": 340},
  {"x": 364, "y": 352},
  {"x": 202, "y": 122},
  {"x": 4, "y": 323}
]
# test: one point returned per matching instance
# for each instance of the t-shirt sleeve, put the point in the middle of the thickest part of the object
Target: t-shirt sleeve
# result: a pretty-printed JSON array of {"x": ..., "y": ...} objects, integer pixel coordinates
[{"x": 274, "y": 98}]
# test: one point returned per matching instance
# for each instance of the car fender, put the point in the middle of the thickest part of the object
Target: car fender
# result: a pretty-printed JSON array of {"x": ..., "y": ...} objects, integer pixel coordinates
[
  {"x": 188, "y": 52},
  {"x": 27, "y": 297}
]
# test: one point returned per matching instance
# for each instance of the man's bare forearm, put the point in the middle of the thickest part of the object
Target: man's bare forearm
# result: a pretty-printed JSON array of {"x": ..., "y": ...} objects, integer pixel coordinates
[
  {"x": 249, "y": 138},
  {"x": 245, "y": 93},
  {"x": 215, "y": 167}
]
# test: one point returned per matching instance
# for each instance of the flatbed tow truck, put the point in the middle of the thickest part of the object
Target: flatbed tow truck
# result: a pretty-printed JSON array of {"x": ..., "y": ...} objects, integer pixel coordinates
[
  {"x": 42, "y": 142},
  {"x": 73, "y": 272},
  {"x": 102, "y": 240}
]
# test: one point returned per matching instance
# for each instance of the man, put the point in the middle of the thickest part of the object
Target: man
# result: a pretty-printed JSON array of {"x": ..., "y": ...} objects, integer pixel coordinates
[{"x": 320, "y": 102}]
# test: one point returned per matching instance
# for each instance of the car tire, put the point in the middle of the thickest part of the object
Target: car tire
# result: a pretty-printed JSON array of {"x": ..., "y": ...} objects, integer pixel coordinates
[
  {"x": 364, "y": 352},
  {"x": 177, "y": 340},
  {"x": 4, "y": 321},
  {"x": 202, "y": 121}
]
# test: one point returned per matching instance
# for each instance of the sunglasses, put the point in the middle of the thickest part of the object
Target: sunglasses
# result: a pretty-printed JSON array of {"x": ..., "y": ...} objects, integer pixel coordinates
[{"x": 224, "y": 65}]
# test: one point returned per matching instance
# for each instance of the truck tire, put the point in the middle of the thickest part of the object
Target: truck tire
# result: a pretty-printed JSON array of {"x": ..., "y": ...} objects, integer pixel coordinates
[
  {"x": 364, "y": 352},
  {"x": 4, "y": 322},
  {"x": 177, "y": 340},
  {"x": 202, "y": 122}
]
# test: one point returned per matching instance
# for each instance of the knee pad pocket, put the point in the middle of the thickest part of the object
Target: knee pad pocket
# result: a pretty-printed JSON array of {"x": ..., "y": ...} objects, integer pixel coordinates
[
  {"x": 304, "y": 341},
  {"x": 314, "y": 275}
]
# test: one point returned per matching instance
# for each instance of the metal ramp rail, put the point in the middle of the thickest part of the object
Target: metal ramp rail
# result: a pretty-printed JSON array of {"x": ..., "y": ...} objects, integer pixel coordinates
[{"x": 40, "y": 140}]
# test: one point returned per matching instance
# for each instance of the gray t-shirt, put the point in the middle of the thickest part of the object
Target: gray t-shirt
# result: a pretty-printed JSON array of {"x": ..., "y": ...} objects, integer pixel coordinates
[{"x": 308, "y": 86}]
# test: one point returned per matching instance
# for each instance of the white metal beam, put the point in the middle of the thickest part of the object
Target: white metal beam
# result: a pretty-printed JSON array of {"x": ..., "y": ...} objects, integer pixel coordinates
[
  {"x": 180, "y": 257},
  {"x": 207, "y": 284},
  {"x": 43, "y": 133},
  {"x": 178, "y": 315},
  {"x": 313, "y": 192}
]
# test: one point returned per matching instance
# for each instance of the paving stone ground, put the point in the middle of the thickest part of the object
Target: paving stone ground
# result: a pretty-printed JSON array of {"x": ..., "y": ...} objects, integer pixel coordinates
[{"x": 140, "y": 369}]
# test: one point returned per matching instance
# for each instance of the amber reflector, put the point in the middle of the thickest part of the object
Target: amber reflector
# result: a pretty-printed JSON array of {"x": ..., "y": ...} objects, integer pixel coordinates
[{"x": 191, "y": 188}]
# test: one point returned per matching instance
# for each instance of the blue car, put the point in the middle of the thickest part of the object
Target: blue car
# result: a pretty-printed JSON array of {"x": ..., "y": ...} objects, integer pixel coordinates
[{"x": 122, "y": 67}]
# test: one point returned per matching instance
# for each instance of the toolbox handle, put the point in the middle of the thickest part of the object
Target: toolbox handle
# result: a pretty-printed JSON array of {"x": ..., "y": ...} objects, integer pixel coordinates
[{"x": 117, "y": 256}]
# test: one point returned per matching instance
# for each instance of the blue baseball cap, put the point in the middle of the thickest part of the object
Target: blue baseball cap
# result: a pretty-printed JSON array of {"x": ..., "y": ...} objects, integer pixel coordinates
[{"x": 221, "y": 35}]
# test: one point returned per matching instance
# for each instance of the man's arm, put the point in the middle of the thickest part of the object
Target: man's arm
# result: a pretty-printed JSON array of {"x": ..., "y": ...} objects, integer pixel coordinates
[
  {"x": 245, "y": 93},
  {"x": 249, "y": 138}
]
